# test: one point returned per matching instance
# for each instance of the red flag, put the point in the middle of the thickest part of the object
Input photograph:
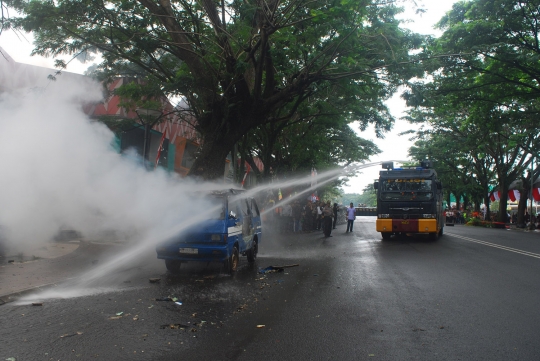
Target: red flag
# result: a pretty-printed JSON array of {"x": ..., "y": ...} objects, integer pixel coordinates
[
  {"x": 536, "y": 194},
  {"x": 160, "y": 148},
  {"x": 513, "y": 194},
  {"x": 245, "y": 175},
  {"x": 492, "y": 197}
]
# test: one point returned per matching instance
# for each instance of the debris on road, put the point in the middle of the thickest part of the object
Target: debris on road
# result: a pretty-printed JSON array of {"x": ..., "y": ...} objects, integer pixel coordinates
[
  {"x": 261, "y": 326},
  {"x": 271, "y": 269},
  {"x": 287, "y": 266},
  {"x": 174, "y": 326},
  {"x": 154, "y": 280},
  {"x": 78, "y": 333},
  {"x": 37, "y": 303}
]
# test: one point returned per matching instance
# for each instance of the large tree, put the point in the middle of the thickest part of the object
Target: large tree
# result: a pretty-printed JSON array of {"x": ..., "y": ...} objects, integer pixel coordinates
[
  {"x": 499, "y": 39},
  {"x": 236, "y": 62},
  {"x": 486, "y": 92}
]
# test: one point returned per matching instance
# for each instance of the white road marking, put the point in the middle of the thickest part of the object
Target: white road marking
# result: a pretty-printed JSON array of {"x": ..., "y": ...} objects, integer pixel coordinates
[{"x": 515, "y": 250}]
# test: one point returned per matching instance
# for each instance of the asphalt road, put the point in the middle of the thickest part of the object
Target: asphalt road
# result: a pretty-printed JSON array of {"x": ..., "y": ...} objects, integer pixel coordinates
[{"x": 471, "y": 295}]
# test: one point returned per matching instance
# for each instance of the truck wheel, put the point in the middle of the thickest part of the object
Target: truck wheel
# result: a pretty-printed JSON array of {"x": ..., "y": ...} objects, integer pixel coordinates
[
  {"x": 231, "y": 264},
  {"x": 441, "y": 231},
  {"x": 386, "y": 235},
  {"x": 434, "y": 236},
  {"x": 252, "y": 253},
  {"x": 173, "y": 266}
]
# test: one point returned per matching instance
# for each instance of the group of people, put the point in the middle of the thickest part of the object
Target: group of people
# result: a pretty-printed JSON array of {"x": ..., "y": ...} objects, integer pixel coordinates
[
  {"x": 531, "y": 220},
  {"x": 313, "y": 216},
  {"x": 455, "y": 216}
]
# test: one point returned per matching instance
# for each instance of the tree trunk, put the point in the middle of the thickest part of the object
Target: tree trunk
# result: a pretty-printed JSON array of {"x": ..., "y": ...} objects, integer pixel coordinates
[
  {"x": 465, "y": 202},
  {"x": 503, "y": 204},
  {"x": 522, "y": 205},
  {"x": 210, "y": 161},
  {"x": 503, "y": 201},
  {"x": 486, "y": 203}
]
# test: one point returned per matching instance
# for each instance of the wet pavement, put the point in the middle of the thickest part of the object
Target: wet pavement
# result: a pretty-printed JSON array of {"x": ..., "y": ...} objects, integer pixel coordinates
[{"x": 471, "y": 295}]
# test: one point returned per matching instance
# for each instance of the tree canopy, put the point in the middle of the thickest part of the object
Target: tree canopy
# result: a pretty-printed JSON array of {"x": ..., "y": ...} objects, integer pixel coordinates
[
  {"x": 240, "y": 65},
  {"x": 483, "y": 98}
]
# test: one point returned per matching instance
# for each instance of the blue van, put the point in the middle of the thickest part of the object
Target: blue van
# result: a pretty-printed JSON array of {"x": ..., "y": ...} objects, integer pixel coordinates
[{"x": 234, "y": 230}]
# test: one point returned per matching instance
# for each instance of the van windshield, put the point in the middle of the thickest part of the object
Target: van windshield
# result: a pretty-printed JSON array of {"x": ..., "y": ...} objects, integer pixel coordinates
[{"x": 217, "y": 207}]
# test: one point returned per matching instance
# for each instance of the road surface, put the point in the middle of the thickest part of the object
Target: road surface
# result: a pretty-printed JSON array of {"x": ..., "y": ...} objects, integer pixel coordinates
[{"x": 471, "y": 295}]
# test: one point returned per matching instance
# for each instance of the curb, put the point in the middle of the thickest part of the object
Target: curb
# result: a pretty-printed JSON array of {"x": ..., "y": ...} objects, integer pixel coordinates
[{"x": 11, "y": 297}]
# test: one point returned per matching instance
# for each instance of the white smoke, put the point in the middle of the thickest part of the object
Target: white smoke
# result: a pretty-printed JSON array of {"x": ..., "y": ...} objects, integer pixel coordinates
[{"x": 58, "y": 169}]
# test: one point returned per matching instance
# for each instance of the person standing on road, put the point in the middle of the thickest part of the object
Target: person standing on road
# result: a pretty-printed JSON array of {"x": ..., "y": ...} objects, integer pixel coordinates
[
  {"x": 296, "y": 214},
  {"x": 328, "y": 212},
  {"x": 319, "y": 215},
  {"x": 335, "y": 210},
  {"x": 351, "y": 216}
]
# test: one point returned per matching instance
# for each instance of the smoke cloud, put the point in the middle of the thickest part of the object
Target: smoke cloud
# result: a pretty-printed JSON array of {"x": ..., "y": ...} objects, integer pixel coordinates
[{"x": 58, "y": 169}]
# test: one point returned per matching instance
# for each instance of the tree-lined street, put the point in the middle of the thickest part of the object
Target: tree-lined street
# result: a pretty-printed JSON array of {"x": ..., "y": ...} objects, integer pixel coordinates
[{"x": 471, "y": 295}]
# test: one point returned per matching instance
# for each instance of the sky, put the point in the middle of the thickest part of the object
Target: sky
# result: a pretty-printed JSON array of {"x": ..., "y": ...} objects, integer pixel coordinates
[{"x": 393, "y": 146}]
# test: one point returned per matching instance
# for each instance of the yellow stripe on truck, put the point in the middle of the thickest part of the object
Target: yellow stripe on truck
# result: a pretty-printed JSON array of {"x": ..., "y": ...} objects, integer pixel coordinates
[
  {"x": 427, "y": 226},
  {"x": 384, "y": 225},
  {"x": 424, "y": 225}
]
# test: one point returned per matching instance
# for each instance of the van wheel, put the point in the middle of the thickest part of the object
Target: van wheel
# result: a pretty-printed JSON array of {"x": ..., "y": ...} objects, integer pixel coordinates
[
  {"x": 386, "y": 235},
  {"x": 231, "y": 264},
  {"x": 433, "y": 236},
  {"x": 441, "y": 231},
  {"x": 252, "y": 253},
  {"x": 173, "y": 266}
]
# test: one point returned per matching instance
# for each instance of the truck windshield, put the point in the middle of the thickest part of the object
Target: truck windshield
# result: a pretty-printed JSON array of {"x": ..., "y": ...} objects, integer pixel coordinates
[{"x": 406, "y": 189}]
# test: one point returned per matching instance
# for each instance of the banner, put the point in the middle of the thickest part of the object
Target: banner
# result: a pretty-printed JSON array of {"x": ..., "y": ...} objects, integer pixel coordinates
[
  {"x": 245, "y": 175},
  {"x": 513, "y": 195},
  {"x": 495, "y": 196}
]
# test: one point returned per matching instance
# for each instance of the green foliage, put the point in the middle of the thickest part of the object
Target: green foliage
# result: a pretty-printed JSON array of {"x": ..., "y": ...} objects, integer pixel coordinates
[
  {"x": 244, "y": 67},
  {"x": 481, "y": 105},
  {"x": 368, "y": 197}
]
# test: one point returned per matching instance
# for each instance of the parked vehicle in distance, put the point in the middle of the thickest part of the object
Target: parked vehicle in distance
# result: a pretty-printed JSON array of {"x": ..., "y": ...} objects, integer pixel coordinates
[{"x": 233, "y": 228}]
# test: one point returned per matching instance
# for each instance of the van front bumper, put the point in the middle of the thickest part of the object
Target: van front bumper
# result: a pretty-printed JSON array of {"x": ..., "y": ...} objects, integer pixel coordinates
[{"x": 194, "y": 252}]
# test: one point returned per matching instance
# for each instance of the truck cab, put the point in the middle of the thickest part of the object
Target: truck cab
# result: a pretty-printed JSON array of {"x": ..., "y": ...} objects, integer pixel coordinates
[{"x": 409, "y": 200}]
